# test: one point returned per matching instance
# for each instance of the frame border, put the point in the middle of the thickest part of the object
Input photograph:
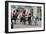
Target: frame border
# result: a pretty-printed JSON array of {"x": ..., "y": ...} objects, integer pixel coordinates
[{"x": 6, "y": 16}]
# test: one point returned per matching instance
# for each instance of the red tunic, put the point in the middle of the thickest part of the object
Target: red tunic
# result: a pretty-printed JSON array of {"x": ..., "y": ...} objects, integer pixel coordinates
[
  {"x": 16, "y": 14},
  {"x": 26, "y": 14}
]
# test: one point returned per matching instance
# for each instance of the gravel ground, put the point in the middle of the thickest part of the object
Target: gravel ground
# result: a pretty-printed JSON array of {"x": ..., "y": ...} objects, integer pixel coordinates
[{"x": 18, "y": 25}]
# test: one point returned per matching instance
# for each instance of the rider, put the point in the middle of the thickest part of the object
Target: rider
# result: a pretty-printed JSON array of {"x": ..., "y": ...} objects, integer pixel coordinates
[{"x": 15, "y": 14}]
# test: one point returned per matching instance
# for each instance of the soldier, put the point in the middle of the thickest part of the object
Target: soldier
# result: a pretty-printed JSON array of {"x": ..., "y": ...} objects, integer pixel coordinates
[
  {"x": 23, "y": 18},
  {"x": 15, "y": 14}
]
